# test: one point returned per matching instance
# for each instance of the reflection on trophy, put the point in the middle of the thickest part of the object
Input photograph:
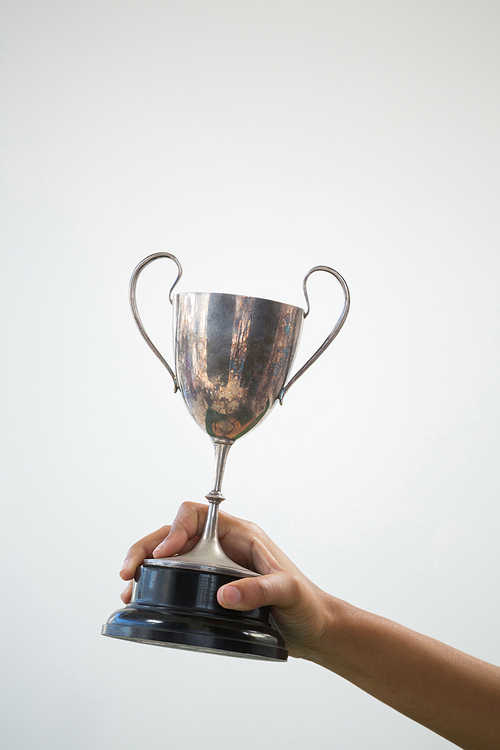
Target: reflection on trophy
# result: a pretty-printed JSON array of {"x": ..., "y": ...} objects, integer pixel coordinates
[{"x": 233, "y": 355}]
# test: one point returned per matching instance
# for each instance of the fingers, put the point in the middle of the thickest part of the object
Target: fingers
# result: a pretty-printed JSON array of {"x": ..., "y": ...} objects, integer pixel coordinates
[
  {"x": 184, "y": 532},
  {"x": 140, "y": 551},
  {"x": 127, "y": 593},
  {"x": 181, "y": 536},
  {"x": 243, "y": 541}
]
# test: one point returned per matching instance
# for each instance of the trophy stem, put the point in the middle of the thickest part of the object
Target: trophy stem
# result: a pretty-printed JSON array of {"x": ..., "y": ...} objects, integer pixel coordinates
[
  {"x": 221, "y": 446},
  {"x": 210, "y": 534}
]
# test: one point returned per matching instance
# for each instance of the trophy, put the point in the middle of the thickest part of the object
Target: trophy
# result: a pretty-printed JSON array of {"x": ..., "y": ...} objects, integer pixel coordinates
[{"x": 233, "y": 354}]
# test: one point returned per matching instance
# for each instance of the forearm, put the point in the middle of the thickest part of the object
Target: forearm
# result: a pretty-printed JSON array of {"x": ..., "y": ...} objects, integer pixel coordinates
[{"x": 451, "y": 693}]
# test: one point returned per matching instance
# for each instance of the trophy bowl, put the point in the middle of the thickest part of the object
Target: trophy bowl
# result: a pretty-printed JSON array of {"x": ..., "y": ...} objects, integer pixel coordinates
[{"x": 233, "y": 355}]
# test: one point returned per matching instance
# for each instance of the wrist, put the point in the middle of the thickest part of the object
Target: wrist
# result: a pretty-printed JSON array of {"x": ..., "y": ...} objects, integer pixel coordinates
[{"x": 327, "y": 649}]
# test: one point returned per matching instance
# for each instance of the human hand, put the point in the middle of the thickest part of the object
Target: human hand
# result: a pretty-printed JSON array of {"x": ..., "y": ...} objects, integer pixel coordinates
[
  {"x": 298, "y": 606},
  {"x": 451, "y": 693}
]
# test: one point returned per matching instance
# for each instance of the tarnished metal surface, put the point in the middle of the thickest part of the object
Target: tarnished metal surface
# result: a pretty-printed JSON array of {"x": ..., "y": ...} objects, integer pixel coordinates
[{"x": 232, "y": 357}]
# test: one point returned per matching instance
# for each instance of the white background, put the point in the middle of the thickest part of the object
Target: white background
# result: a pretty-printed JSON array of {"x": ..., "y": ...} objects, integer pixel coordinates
[{"x": 253, "y": 140}]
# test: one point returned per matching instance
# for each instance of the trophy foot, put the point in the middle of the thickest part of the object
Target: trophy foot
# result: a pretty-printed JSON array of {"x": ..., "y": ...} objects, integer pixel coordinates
[{"x": 178, "y": 608}]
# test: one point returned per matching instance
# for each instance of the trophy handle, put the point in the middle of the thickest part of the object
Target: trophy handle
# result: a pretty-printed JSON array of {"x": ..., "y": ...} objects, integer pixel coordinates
[
  {"x": 338, "y": 325},
  {"x": 133, "y": 283}
]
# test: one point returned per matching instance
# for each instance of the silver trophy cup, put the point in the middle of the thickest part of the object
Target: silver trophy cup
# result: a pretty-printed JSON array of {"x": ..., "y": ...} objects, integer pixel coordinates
[{"x": 233, "y": 355}]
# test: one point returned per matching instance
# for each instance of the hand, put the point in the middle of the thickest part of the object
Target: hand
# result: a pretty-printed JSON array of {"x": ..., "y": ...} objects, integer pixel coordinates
[
  {"x": 447, "y": 691},
  {"x": 298, "y": 606}
]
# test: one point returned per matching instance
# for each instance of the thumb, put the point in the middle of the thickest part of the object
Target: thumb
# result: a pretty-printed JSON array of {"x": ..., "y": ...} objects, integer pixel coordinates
[{"x": 276, "y": 589}]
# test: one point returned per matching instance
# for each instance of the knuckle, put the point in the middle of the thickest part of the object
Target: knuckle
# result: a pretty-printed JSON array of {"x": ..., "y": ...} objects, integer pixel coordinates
[
  {"x": 295, "y": 588},
  {"x": 253, "y": 530},
  {"x": 188, "y": 515},
  {"x": 162, "y": 530},
  {"x": 187, "y": 506},
  {"x": 261, "y": 588},
  {"x": 135, "y": 550}
]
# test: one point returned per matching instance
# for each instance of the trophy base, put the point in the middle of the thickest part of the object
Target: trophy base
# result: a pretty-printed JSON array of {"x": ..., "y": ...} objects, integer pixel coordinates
[{"x": 178, "y": 608}]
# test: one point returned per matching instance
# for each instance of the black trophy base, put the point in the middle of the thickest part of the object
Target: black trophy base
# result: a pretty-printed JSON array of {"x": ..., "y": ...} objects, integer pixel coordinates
[{"x": 178, "y": 607}]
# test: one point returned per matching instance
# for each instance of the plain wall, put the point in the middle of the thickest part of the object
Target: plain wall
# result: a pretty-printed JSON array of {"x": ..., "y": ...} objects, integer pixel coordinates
[{"x": 253, "y": 140}]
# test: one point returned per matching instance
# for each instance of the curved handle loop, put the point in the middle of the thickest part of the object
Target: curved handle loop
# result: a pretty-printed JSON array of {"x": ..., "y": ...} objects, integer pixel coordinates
[
  {"x": 135, "y": 312},
  {"x": 338, "y": 325}
]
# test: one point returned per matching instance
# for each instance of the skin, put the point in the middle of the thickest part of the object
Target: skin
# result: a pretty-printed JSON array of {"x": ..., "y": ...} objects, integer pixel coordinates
[{"x": 446, "y": 690}]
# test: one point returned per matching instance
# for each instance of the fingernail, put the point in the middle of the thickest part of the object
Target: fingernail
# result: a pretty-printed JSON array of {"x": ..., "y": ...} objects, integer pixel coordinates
[
  {"x": 157, "y": 549},
  {"x": 230, "y": 595},
  {"x": 126, "y": 563}
]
